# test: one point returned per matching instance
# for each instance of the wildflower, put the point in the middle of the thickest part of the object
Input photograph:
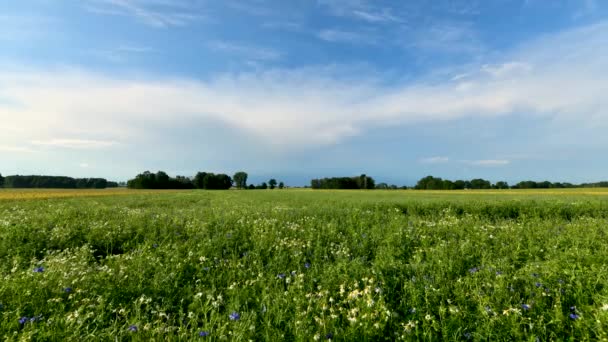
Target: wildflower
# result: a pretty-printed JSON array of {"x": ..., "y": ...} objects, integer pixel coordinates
[
  {"x": 525, "y": 306},
  {"x": 203, "y": 333},
  {"x": 473, "y": 270},
  {"x": 133, "y": 328},
  {"x": 235, "y": 316},
  {"x": 573, "y": 308},
  {"x": 574, "y": 316},
  {"x": 293, "y": 273},
  {"x": 467, "y": 335},
  {"x": 281, "y": 275},
  {"x": 412, "y": 310},
  {"x": 39, "y": 269},
  {"x": 155, "y": 245},
  {"x": 23, "y": 320},
  {"x": 329, "y": 336},
  {"x": 307, "y": 265},
  {"x": 535, "y": 275},
  {"x": 498, "y": 273},
  {"x": 67, "y": 290},
  {"x": 538, "y": 284},
  {"x": 561, "y": 281}
]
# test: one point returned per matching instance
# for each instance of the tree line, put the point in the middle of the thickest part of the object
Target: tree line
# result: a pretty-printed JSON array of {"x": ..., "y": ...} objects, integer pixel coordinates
[
  {"x": 54, "y": 182},
  {"x": 436, "y": 183},
  {"x": 202, "y": 180},
  {"x": 351, "y": 183}
]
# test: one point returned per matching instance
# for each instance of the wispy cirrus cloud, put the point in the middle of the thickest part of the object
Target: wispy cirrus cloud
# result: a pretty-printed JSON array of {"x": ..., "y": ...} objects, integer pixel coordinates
[
  {"x": 434, "y": 160},
  {"x": 74, "y": 143},
  {"x": 156, "y": 13},
  {"x": 247, "y": 51},
  {"x": 489, "y": 162},
  {"x": 335, "y": 36},
  {"x": 558, "y": 77},
  {"x": 363, "y": 10}
]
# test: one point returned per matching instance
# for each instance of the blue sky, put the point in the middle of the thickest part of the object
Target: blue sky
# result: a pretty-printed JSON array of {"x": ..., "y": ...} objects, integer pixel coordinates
[{"x": 499, "y": 89}]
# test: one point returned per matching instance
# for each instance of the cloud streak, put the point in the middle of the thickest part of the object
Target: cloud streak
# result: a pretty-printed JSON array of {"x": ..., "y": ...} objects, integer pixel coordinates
[
  {"x": 560, "y": 77},
  {"x": 155, "y": 13}
]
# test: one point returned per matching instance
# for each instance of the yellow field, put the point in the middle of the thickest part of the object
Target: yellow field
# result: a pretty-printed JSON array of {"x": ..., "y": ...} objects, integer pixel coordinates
[
  {"x": 25, "y": 194},
  {"x": 17, "y": 194}
]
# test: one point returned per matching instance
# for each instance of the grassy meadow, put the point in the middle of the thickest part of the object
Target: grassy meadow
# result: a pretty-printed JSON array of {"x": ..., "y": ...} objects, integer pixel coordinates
[{"x": 302, "y": 265}]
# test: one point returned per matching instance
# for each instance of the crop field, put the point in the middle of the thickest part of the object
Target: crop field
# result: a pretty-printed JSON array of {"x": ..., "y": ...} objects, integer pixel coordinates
[{"x": 302, "y": 265}]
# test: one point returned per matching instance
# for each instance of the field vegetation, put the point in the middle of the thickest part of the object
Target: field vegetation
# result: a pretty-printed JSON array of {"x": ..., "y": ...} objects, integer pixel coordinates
[{"x": 304, "y": 265}]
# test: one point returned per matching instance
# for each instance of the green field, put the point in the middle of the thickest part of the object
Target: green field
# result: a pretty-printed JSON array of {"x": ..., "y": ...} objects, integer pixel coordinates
[{"x": 305, "y": 265}]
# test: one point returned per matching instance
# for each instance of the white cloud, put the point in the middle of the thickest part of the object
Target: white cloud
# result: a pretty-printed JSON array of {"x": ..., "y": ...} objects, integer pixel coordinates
[
  {"x": 331, "y": 35},
  {"x": 435, "y": 160},
  {"x": 560, "y": 77},
  {"x": 74, "y": 143},
  {"x": 360, "y": 9},
  {"x": 246, "y": 51},
  {"x": 490, "y": 162},
  {"x": 156, "y": 13}
]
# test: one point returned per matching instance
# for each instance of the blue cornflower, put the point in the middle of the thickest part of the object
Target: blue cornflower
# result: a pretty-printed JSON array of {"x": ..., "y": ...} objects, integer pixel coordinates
[
  {"x": 473, "y": 270},
  {"x": 133, "y": 328},
  {"x": 329, "y": 336},
  {"x": 67, "y": 290},
  {"x": 293, "y": 273},
  {"x": 574, "y": 316},
  {"x": 155, "y": 245},
  {"x": 23, "y": 320},
  {"x": 535, "y": 275},
  {"x": 525, "y": 306},
  {"x": 561, "y": 281},
  {"x": 488, "y": 309},
  {"x": 412, "y": 310},
  {"x": 498, "y": 273},
  {"x": 281, "y": 275},
  {"x": 39, "y": 269},
  {"x": 573, "y": 308},
  {"x": 203, "y": 333},
  {"x": 538, "y": 284},
  {"x": 467, "y": 335},
  {"x": 235, "y": 316},
  {"x": 205, "y": 268},
  {"x": 307, "y": 265}
]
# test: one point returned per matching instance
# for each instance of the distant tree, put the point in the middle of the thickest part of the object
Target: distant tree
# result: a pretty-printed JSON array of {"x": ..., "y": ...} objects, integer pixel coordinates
[
  {"x": 199, "y": 180},
  {"x": 281, "y": 185},
  {"x": 240, "y": 180},
  {"x": 430, "y": 183},
  {"x": 262, "y": 186},
  {"x": 501, "y": 185},
  {"x": 1, "y": 181},
  {"x": 382, "y": 186},
  {"x": 459, "y": 185},
  {"x": 479, "y": 183},
  {"x": 251, "y": 187},
  {"x": 272, "y": 183}
]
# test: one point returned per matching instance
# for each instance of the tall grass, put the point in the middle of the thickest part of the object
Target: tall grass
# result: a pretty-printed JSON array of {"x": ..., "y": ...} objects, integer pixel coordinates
[{"x": 300, "y": 265}]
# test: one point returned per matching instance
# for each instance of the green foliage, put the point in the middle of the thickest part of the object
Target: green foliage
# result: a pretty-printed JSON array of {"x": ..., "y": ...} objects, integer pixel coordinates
[
  {"x": 305, "y": 265},
  {"x": 281, "y": 185},
  {"x": 349, "y": 183},
  {"x": 52, "y": 182},
  {"x": 160, "y": 180},
  {"x": 272, "y": 183},
  {"x": 240, "y": 180}
]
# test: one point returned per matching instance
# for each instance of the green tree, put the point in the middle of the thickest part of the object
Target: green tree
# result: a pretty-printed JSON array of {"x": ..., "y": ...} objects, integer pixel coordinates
[
  {"x": 2, "y": 181},
  {"x": 501, "y": 185},
  {"x": 281, "y": 185},
  {"x": 240, "y": 180},
  {"x": 272, "y": 183}
]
